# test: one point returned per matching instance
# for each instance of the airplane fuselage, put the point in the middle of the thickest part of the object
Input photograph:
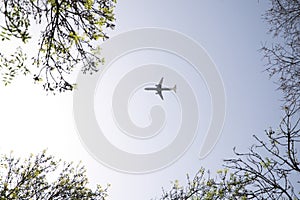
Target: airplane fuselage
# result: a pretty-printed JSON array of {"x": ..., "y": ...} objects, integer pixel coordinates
[{"x": 159, "y": 89}]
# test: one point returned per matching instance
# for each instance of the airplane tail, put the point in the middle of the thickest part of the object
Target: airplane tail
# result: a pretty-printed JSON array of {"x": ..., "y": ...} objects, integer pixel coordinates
[{"x": 174, "y": 88}]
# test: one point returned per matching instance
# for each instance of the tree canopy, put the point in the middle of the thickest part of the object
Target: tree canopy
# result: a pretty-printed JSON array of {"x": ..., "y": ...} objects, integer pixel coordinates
[
  {"x": 69, "y": 31},
  {"x": 30, "y": 179}
]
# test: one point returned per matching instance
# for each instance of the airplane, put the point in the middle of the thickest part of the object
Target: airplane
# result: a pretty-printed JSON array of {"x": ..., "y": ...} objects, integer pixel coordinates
[{"x": 158, "y": 88}]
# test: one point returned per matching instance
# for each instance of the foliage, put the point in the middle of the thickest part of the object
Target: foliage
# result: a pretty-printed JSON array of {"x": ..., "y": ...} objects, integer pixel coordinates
[
  {"x": 67, "y": 39},
  {"x": 13, "y": 66},
  {"x": 224, "y": 186},
  {"x": 29, "y": 179}
]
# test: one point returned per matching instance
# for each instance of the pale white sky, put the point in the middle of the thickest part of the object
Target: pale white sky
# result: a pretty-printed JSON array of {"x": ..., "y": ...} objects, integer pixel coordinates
[{"x": 229, "y": 30}]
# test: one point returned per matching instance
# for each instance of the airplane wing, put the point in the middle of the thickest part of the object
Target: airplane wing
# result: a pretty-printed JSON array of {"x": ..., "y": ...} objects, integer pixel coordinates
[
  {"x": 160, "y": 82},
  {"x": 160, "y": 94}
]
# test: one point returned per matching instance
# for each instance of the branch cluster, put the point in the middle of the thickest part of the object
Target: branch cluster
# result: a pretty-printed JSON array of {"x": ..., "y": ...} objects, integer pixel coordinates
[
  {"x": 273, "y": 163},
  {"x": 283, "y": 57}
]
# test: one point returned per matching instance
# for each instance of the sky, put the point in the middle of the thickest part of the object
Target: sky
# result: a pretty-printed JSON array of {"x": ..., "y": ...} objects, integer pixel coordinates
[{"x": 229, "y": 32}]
